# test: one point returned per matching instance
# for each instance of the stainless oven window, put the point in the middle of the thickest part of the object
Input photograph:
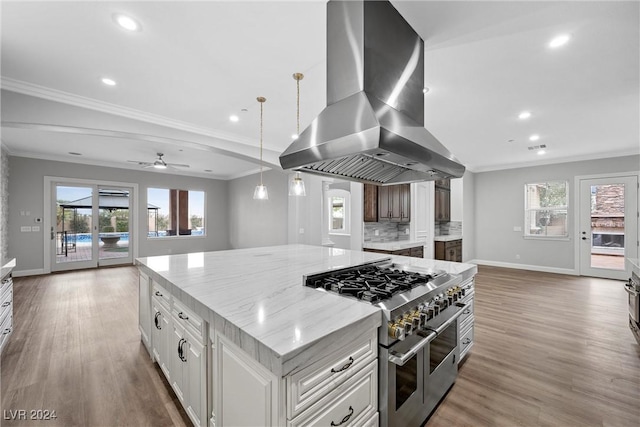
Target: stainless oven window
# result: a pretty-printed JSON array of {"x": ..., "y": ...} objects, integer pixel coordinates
[
  {"x": 442, "y": 346},
  {"x": 406, "y": 381}
]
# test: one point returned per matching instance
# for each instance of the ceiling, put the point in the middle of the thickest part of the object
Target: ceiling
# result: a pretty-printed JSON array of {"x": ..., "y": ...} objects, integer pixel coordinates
[{"x": 194, "y": 64}]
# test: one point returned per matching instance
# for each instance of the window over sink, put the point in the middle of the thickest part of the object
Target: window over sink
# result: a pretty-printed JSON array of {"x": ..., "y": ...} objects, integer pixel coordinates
[
  {"x": 179, "y": 213},
  {"x": 546, "y": 205}
]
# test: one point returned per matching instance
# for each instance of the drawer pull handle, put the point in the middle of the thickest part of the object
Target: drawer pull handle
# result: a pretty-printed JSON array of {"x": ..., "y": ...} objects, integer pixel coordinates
[
  {"x": 6, "y": 304},
  {"x": 466, "y": 341},
  {"x": 181, "y": 354},
  {"x": 158, "y": 294},
  {"x": 345, "y": 419},
  {"x": 182, "y": 316},
  {"x": 345, "y": 367},
  {"x": 156, "y": 321},
  {"x": 7, "y": 331},
  {"x": 467, "y": 311}
]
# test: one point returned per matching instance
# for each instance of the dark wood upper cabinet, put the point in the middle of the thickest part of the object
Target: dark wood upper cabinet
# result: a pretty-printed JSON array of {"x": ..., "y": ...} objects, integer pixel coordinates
[
  {"x": 370, "y": 203},
  {"x": 394, "y": 203},
  {"x": 443, "y": 202}
]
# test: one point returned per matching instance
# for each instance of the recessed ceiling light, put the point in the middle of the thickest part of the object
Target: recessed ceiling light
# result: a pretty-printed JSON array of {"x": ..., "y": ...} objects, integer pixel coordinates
[
  {"x": 108, "y": 81},
  {"x": 524, "y": 115},
  {"x": 541, "y": 152},
  {"x": 534, "y": 137},
  {"x": 559, "y": 40},
  {"x": 294, "y": 136},
  {"x": 126, "y": 22},
  {"x": 73, "y": 153},
  {"x": 234, "y": 118}
]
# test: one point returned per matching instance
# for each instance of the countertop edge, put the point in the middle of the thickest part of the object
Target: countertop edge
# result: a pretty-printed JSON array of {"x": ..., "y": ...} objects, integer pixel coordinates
[{"x": 7, "y": 268}]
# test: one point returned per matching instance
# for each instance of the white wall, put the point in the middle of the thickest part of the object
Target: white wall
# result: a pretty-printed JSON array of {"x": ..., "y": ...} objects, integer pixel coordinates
[
  {"x": 468, "y": 216},
  {"x": 4, "y": 205},
  {"x": 499, "y": 206},
  {"x": 26, "y": 189},
  {"x": 457, "y": 196},
  {"x": 254, "y": 223}
]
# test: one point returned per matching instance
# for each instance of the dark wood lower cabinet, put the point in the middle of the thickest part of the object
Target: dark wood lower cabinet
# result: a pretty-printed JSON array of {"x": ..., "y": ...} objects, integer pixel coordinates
[
  {"x": 416, "y": 252},
  {"x": 449, "y": 251}
]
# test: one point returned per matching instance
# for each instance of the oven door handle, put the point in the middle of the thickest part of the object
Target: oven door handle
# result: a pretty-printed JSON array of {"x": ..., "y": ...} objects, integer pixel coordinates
[
  {"x": 630, "y": 291},
  {"x": 400, "y": 359}
]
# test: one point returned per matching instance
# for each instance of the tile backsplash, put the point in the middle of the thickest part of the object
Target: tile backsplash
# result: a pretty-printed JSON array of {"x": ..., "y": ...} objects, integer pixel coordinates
[
  {"x": 386, "y": 231},
  {"x": 446, "y": 228}
]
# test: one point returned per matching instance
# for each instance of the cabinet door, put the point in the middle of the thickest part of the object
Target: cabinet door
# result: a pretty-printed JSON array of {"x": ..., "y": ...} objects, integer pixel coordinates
[
  {"x": 395, "y": 202},
  {"x": 417, "y": 252},
  {"x": 370, "y": 203},
  {"x": 405, "y": 202},
  {"x": 446, "y": 206},
  {"x": 144, "y": 310},
  {"x": 195, "y": 380},
  {"x": 440, "y": 251},
  {"x": 156, "y": 331},
  {"x": 177, "y": 363},
  {"x": 164, "y": 346},
  {"x": 384, "y": 207}
]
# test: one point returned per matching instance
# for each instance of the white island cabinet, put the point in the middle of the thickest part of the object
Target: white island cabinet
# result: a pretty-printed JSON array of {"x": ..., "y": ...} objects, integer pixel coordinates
[{"x": 243, "y": 342}]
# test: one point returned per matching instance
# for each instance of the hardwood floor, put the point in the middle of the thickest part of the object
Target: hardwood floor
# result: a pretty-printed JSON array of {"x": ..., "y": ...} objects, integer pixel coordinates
[
  {"x": 550, "y": 350},
  {"x": 76, "y": 350}
]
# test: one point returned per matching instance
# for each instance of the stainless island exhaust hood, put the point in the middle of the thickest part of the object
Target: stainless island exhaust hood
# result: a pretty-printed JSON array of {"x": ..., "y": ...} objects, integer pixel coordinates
[{"x": 372, "y": 129}]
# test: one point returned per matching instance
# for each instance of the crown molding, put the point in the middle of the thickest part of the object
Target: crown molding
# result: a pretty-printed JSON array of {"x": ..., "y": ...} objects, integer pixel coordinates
[{"x": 50, "y": 94}]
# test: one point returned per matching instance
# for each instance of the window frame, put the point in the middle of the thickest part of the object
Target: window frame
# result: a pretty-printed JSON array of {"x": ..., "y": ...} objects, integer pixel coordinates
[
  {"x": 178, "y": 235},
  {"x": 346, "y": 196},
  {"x": 558, "y": 208}
]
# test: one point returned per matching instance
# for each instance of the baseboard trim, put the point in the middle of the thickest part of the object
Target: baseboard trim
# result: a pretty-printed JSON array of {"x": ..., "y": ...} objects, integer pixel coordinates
[
  {"x": 568, "y": 271},
  {"x": 23, "y": 273}
]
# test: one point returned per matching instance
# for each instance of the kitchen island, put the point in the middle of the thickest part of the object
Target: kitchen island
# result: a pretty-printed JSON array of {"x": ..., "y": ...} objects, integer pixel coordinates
[{"x": 267, "y": 350}]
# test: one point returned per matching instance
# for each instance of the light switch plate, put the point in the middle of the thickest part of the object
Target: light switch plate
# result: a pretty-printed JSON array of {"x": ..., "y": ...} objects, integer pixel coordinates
[
  {"x": 35, "y": 228},
  {"x": 25, "y": 229},
  {"x": 517, "y": 228}
]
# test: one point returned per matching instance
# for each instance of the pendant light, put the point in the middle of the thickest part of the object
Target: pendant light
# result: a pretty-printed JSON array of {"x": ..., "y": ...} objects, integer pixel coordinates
[
  {"x": 260, "y": 193},
  {"x": 296, "y": 186}
]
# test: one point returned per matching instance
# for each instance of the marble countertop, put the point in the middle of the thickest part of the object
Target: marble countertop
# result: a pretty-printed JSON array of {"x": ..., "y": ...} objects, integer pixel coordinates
[
  {"x": 635, "y": 265},
  {"x": 393, "y": 245},
  {"x": 447, "y": 237},
  {"x": 7, "y": 268},
  {"x": 257, "y": 298}
]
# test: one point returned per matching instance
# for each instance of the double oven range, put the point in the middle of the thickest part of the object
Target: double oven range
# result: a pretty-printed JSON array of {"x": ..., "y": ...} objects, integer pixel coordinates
[
  {"x": 418, "y": 341},
  {"x": 633, "y": 289}
]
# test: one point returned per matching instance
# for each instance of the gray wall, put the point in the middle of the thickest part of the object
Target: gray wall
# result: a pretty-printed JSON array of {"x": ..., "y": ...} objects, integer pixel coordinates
[
  {"x": 468, "y": 216},
  {"x": 254, "y": 223},
  {"x": 26, "y": 187},
  {"x": 499, "y": 206}
]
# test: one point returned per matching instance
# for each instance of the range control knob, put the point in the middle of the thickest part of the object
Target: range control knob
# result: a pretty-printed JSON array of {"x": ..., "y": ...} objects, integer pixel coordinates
[
  {"x": 408, "y": 326},
  {"x": 396, "y": 331}
]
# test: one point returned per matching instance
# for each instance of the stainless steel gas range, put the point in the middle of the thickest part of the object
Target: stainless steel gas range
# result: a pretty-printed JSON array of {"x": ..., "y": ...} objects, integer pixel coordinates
[{"x": 419, "y": 342}]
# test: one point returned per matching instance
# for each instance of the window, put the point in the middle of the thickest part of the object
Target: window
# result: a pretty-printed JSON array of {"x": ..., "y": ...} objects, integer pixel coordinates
[
  {"x": 338, "y": 211},
  {"x": 546, "y": 209},
  {"x": 175, "y": 212}
]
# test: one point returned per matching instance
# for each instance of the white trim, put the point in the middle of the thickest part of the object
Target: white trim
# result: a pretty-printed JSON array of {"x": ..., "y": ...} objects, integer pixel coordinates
[
  {"x": 24, "y": 273},
  {"x": 47, "y": 223},
  {"x": 529, "y": 267}
]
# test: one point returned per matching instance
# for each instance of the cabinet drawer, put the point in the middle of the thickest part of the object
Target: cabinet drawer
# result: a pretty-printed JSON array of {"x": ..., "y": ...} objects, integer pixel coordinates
[
  {"x": 402, "y": 252},
  {"x": 467, "y": 312},
  {"x": 188, "y": 319},
  {"x": 352, "y": 404},
  {"x": 312, "y": 383},
  {"x": 466, "y": 341},
  {"x": 6, "y": 284},
  {"x": 417, "y": 252},
  {"x": 6, "y": 305},
  {"x": 5, "y": 329},
  {"x": 161, "y": 295}
]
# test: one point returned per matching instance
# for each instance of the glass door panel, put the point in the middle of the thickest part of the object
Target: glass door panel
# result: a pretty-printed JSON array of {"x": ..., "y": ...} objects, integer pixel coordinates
[
  {"x": 114, "y": 226},
  {"x": 74, "y": 221},
  {"x": 608, "y": 224}
]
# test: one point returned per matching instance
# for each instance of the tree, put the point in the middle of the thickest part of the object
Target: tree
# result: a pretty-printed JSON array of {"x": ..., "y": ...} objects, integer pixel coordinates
[
  {"x": 79, "y": 224},
  {"x": 196, "y": 221}
]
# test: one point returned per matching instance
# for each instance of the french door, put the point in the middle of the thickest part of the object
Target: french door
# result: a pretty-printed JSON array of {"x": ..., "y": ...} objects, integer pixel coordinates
[
  {"x": 608, "y": 225},
  {"x": 90, "y": 225}
]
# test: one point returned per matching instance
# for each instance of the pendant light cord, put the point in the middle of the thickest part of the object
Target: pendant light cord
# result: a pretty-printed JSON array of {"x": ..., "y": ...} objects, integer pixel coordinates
[
  {"x": 298, "y": 108},
  {"x": 261, "y": 100}
]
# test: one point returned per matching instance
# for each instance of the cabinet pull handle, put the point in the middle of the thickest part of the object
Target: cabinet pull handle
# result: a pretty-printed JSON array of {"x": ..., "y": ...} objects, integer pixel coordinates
[
  {"x": 6, "y": 304},
  {"x": 182, "y": 316},
  {"x": 467, "y": 311},
  {"x": 466, "y": 341},
  {"x": 156, "y": 321},
  {"x": 181, "y": 350},
  {"x": 345, "y": 419},
  {"x": 345, "y": 367},
  {"x": 6, "y": 331},
  {"x": 158, "y": 294}
]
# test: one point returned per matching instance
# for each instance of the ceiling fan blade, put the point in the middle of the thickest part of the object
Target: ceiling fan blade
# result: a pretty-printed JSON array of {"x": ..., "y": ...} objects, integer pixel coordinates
[
  {"x": 178, "y": 165},
  {"x": 139, "y": 162}
]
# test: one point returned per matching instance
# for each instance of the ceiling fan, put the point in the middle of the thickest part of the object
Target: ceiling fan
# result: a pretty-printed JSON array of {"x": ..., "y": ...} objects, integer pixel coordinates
[{"x": 159, "y": 163}]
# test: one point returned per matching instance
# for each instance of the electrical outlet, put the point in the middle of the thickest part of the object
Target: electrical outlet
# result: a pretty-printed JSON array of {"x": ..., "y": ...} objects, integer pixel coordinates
[
  {"x": 376, "y": 233},
  {"x": 406, "y": 231},
  {"x": 517, "y": 228},
  {"x": 301, "y": 231}
]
